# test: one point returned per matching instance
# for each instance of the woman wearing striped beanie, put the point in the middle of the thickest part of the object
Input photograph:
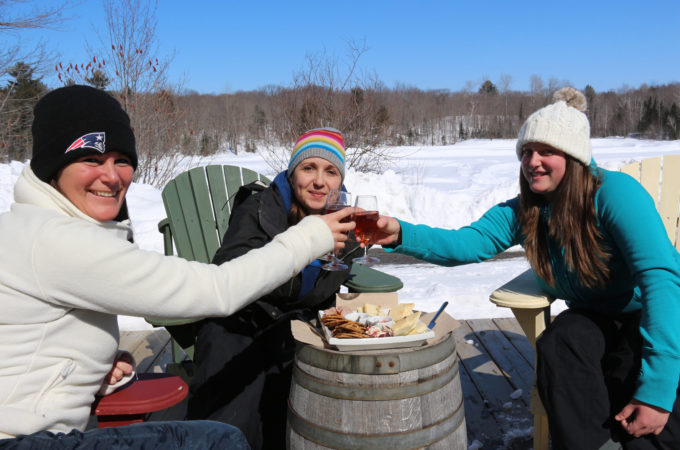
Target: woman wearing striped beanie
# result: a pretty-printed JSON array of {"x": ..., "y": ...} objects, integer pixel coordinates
[
  {"x": 325, "y": 143},
  {"x": 245, "y": 361},
  {"x": 317, "y": 165}
]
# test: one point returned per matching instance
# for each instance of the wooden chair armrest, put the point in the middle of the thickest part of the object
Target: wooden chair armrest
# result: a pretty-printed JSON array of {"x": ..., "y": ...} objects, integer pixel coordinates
[
  {"x": 529, "y": 303},
  {"x": 130, "y": 404},
  {"x": 522, "y": 292},
  {"x": 164, "y": 228}
]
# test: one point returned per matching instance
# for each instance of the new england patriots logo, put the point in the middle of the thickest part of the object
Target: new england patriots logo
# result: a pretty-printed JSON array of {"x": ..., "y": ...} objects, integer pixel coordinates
[{"x": 95, "y": 141}]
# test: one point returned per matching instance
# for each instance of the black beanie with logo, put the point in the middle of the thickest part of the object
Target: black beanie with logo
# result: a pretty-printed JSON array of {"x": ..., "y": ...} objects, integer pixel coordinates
[{"x": 76, "y": 121}]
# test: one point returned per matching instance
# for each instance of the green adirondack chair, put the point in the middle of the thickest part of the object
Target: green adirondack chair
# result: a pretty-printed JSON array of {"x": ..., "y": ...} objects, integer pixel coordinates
[{"x": 198, "y": 204}]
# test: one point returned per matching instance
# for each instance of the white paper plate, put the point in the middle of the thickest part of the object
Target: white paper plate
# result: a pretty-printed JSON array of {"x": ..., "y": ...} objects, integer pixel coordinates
[{"x": 370, "y": 343}]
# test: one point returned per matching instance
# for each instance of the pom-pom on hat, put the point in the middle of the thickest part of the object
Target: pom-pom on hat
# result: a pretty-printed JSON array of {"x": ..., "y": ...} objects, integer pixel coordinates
[
  {"x": 76, "y": 121},
  {"x": 562, "y": 125},
  {"x": 326, "y": 143}
]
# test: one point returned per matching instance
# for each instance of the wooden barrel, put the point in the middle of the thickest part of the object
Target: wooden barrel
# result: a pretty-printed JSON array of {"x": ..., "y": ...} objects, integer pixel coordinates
[{"x": 396, "y": 399}]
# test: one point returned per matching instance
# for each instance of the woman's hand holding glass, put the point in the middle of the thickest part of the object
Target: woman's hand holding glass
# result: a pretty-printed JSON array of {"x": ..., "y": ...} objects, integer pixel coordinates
[
  {"x": 386, "y": 232},
  {"x": 337, "y": 200},
  {"x": 339, "y": 226}
]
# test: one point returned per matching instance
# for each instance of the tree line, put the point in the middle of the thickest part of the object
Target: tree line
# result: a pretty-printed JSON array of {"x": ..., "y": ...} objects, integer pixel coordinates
[
  {"x": 370, "y": 116},
  {"x": 411, "y": 116}
]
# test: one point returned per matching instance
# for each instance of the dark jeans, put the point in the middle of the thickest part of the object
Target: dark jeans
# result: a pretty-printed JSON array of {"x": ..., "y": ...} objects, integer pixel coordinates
[
  {"x": 587, "y": 366},
  {"x": 197, "y": 435}
]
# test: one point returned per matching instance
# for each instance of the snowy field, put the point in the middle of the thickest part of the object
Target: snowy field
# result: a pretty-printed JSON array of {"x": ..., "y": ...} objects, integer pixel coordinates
[{"x": 444, "y": 186}]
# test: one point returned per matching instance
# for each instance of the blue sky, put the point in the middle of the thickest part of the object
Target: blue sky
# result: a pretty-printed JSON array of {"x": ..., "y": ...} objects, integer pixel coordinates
[{"x": 225, "y": 46}]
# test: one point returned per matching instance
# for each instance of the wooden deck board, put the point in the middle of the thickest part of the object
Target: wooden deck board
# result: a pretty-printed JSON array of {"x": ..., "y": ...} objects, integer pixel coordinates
[
  {"x": 481, "y": 424},
  {"x": 489, "y": 378},
  {"x": 151, "y": 348},
  {"x": 496, "y": 360},
  {"x": 492, "y": 386},
  {"x": 515, "y": 335},
  {"x": 515, "y": 368}
]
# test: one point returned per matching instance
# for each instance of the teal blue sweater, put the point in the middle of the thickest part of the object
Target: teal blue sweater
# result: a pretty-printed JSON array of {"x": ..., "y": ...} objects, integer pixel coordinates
[{"x": 645, "y": 270}]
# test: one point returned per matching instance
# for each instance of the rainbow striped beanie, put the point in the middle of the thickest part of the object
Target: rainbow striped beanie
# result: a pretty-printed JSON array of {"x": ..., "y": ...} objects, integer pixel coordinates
[{"x": 326, "y": 143}]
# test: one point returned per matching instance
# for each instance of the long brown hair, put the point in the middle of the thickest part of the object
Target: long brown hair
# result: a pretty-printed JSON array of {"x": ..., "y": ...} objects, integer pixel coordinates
[
  {"x": 572, "y": 224},
  {"x": 297, "y": 212}
]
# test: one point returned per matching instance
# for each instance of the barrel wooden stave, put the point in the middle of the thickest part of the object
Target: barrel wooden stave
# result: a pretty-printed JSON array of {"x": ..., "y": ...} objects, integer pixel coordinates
[{"x": 419, "y": 408}]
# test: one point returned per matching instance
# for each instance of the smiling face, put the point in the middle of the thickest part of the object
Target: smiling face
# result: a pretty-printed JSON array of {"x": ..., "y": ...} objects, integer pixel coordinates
[
  {"x": 97, "y": 184},
  {"x": 312, "y": 179},
  {"x": 543, "y": 167}
]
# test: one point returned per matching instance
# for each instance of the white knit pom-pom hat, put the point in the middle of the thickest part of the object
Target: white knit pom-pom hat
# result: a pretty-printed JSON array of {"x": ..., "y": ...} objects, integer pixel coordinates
[{"x": 561, "y": 125}]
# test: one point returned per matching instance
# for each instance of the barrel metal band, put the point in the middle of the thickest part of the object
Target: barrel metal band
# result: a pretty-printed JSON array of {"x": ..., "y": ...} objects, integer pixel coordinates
[
  {"x": 405, "y": 390},
  {"x": 399, "y": 440},
  {"x": 379, "y": 362}
]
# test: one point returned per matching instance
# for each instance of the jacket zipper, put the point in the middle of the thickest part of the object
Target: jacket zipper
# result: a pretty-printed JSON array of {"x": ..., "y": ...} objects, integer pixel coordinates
[{"x": 67, "y": 368}]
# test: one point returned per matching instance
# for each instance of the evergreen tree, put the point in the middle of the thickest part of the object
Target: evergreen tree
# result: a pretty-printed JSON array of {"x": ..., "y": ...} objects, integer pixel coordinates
[
  {"x": 98, "y": 79},
  {"x": 650, "y": 116},
  {"x": 462, "y": 134},
  {"x": 22, "y": 92},
  {"x": 488, "y": 88},
  {"x": 671, "y": 122},
  {"x": 258, "y": 121},
  {"x": 23, "y": 85},
  {"x": 590, "y": 98},
  {"x": 590, "y": 94}
]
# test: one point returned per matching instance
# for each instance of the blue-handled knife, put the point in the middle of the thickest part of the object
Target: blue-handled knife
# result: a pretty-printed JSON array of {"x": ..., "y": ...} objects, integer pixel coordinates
[{"x": 434, "y": 319}]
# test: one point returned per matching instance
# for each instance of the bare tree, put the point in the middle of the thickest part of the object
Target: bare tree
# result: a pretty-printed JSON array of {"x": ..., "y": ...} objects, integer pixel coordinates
[
  {"x": 139, "y": 78},
  {"x": 504, "y": 82},
  {"x": 14, "y": 19},
  {"x": 326, "y": 93},
  {"x": 554, "y": 84},
  {"x": 537, "y": 90}
]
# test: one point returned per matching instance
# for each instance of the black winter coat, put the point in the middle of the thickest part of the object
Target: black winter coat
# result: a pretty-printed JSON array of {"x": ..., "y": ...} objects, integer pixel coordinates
[
  {"x": 253, "y": 224},
  {"x": 245, "y": 360}
]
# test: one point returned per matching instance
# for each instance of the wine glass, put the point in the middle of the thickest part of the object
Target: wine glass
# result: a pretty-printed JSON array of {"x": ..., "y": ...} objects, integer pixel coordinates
[
  {"x": 337, "y": 200},
  {"x": 366, "y": 219}
]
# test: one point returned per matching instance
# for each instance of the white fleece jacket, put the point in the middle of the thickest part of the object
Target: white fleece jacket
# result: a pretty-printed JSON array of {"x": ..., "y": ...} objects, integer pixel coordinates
[{"x": 65, "y": 276}]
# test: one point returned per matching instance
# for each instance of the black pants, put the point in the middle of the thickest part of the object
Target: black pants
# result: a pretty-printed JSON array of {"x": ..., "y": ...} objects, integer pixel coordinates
[
  {"x": 243, "y": 378},
  {"x": 587, "y": 366}
]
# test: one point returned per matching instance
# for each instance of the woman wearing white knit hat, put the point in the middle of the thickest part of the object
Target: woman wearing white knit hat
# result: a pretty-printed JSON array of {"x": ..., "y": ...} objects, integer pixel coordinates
[{"x": 608, "y": 367}]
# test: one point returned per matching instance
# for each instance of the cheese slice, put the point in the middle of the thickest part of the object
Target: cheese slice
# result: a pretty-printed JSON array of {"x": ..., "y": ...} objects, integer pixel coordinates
[
  {"x": 403, "y": 326},
  {"x": 419, "y": 328},
  {"x": 373, "y": 310},
  {"x": 401, "y": 310}
]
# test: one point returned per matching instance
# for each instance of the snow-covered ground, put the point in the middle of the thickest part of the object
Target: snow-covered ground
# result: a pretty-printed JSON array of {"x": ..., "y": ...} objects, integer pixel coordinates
[{"x": 444, "y": 186}]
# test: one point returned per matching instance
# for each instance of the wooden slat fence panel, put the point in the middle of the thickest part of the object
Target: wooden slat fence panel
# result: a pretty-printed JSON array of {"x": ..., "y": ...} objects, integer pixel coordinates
[{"x": 669, "y": 204}]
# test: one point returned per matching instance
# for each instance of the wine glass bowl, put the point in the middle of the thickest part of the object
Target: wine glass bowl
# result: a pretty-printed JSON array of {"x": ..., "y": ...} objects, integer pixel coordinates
[{"x": 366, "y": 220}]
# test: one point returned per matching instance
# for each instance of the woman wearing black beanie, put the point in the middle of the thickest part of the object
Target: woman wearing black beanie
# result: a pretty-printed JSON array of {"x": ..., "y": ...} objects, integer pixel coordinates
[{"x": 68, "y": 267}]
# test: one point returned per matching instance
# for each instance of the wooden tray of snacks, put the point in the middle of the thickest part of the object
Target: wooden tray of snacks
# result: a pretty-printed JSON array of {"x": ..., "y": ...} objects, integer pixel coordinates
[{"x": 373, "y": 327}]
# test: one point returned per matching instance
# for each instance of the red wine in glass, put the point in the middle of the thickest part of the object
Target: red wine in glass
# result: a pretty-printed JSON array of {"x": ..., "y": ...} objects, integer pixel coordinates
[
  {"x": 366, "y": 219},
  {"x": 366, "y": 225}
]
